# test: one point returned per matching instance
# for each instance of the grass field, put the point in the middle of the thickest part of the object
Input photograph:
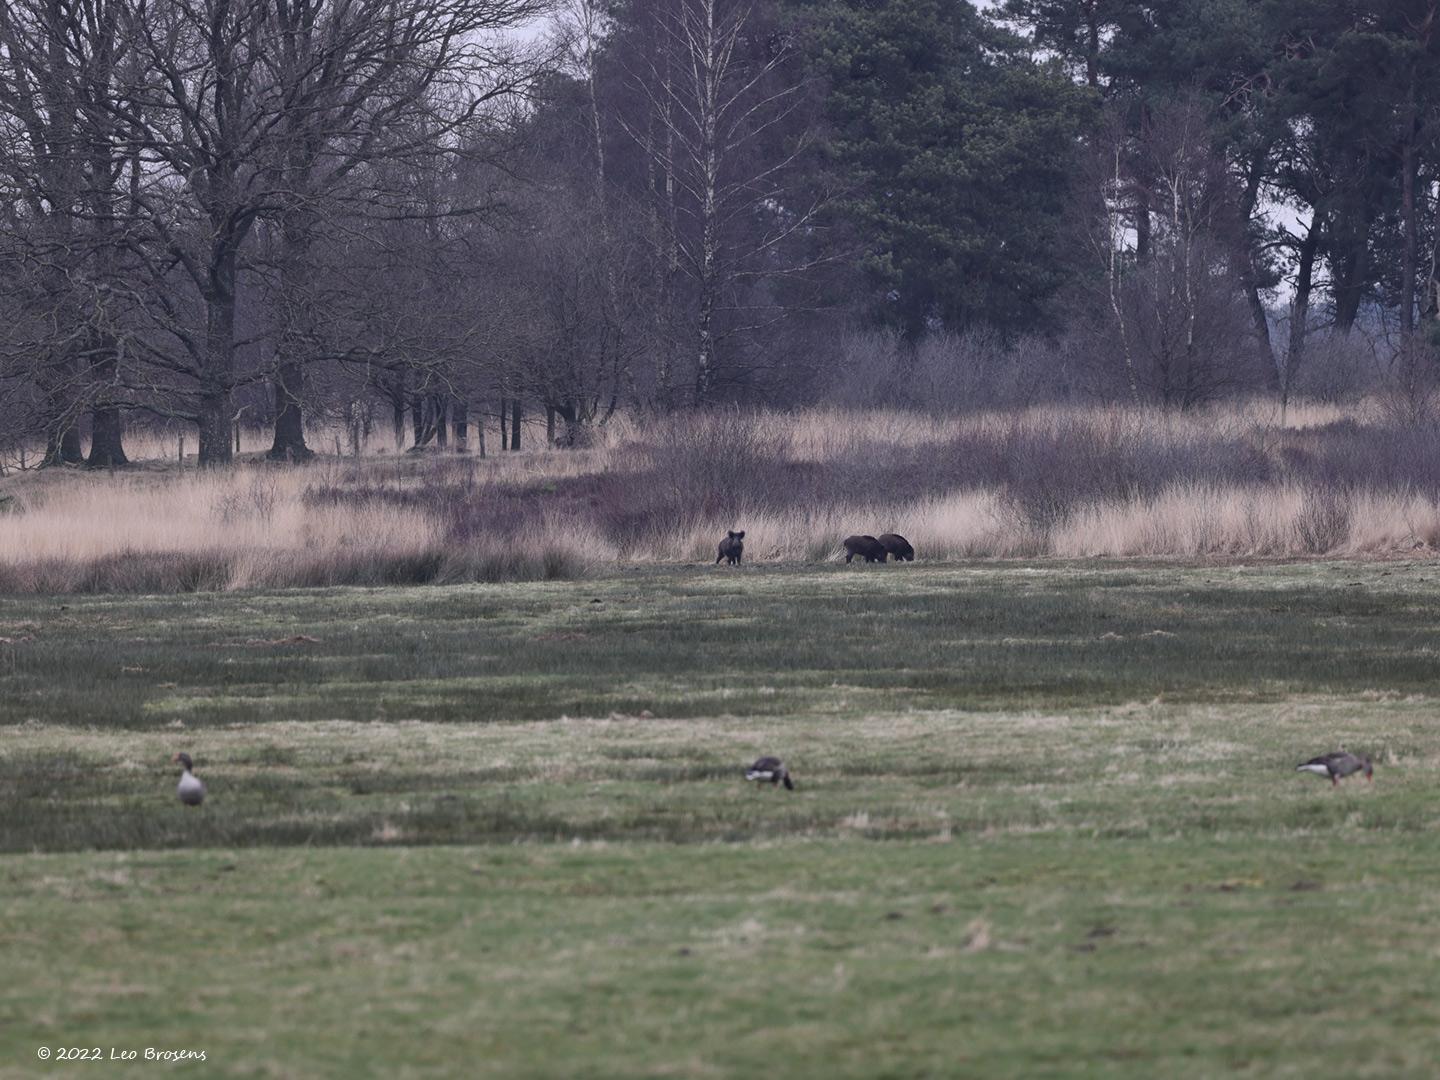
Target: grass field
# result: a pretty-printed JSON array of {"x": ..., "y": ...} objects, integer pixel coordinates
[{"x": 1047, "y": 825}]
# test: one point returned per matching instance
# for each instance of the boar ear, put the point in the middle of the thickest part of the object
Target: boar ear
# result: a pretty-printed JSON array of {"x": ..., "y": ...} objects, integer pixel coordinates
[{"x": 740, "y": 535}]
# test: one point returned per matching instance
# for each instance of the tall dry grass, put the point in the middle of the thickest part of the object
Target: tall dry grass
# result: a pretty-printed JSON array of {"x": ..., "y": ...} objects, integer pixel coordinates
[
  {"x": 1047, "y": 481},
  {"x": 249, "y": 528}
]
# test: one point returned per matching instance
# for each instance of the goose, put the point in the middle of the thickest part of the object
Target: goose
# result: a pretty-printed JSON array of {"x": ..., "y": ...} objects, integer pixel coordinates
[
  {"x": 1337, "y": 765},
  {"x": 191, "y": 788},
  {"x": 770, "y": 769}
]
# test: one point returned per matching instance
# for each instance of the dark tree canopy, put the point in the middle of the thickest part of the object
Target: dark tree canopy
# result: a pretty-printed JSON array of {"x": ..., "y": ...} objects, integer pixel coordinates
[{"x": 954, "y": 152}]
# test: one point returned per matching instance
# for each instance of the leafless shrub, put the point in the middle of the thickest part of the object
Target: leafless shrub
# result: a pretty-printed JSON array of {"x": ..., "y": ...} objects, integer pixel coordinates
[
  {"x": 1323, "y": 523},
  {"x": 1410, "y": 387},
  {"x": 949, "y": 373},
  {"x": 1033, "y": 516},
  {"x": 1353, "y": 456},
  {"x": 1338, "y": 368},
  {"x": 255, "y": 497},
  {"x": 712, "y": 462},
  {"x": 866, "y": 367}
]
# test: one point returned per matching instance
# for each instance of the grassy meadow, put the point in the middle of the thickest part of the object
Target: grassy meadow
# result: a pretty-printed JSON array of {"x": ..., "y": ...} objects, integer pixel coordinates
[{"x": 1047, "y": 824}]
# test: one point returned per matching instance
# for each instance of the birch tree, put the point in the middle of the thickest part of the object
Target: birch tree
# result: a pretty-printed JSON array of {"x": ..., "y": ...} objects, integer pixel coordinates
[{"x": 723, "y": 89}]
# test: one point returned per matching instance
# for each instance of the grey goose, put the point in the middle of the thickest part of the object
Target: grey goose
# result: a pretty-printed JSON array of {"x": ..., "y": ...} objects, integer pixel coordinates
[
  {"x": 191, "y": 789},
  {"x": 1338, "y": 765},
  {"x": 770, "y": 770}
]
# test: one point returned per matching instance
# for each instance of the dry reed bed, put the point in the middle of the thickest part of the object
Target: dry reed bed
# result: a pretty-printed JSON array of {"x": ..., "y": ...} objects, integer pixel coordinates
[
  {"x": 251, "y": 528},
  {"x": 1050, "y": 481}
]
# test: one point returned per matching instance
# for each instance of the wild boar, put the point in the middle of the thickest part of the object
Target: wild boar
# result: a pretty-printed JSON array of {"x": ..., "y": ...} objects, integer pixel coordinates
[
  {"x": 898, "y": 547},
  {"x": 868, "y": 546},
  {"x": 731, "y": 548}
]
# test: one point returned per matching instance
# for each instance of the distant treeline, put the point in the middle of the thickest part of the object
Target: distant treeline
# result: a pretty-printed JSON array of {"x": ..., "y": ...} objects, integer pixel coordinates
[{"x": 419, "y": 220}]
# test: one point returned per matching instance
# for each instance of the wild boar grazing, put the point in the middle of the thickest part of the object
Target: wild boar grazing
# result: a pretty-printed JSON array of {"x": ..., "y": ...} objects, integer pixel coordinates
[
  {"x": 898, "y": 547},
  {"x": 867, "y": 546},
  {"x": 731, "y": 548}
]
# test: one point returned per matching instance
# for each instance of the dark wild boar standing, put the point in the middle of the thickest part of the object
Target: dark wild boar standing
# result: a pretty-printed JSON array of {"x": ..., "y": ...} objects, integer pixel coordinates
[
  {"x": 731, "y": 548},
  {"x": 898, "y": 547},
  {"x": 867, "y": 546}
]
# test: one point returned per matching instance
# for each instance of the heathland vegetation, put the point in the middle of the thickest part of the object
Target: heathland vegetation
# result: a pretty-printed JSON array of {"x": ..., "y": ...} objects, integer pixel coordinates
[{"x": 1050, "y": 480}]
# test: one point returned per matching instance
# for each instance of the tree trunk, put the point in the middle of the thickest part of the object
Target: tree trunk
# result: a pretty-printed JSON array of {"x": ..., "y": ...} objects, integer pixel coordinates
[
  {"x": 515, "y": 424},
  {"x": 1142, "y": 226},
  {"x": 107, "y": 436},
  {"x": 707, "y": 120},
  {"x": 439, "y": 420},
  {"x": 571, "y": 413},
  {"x": 289, "y": 443},
  {"x": 60, "y": 382},
  {"x": 504, "y": 426},
  {"x": 295, "y": 279},
  {"x": 1260, "y": 320},
  {"x": 1409, "y": 166},
  {"x": 297, "y": 235},
  {"x": 550, "y": 425},
  {"x": 1300, "y": 312},
  {"x": 62, "y": 444},
  {"x": 107, "y": 423},
  {"x": 1092, "y": 44},
  {"x": 215, "y": 378},
  {"x": 396, "y": 392},
  {"x": 1249, "y": 280},
  {"x": 460, "y": 417},
  {"x": 357, "y": 426},
  {"x": 1350, "y": 268},
  {"x": 1430, "y": 306},
  {"x": 668, "y": 267}
]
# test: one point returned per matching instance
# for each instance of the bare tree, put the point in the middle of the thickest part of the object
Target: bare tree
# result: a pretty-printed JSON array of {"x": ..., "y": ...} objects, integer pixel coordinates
[
  {"x": 58, "y": 61},
  {"x": 583, "y": 289},
  {"x": 256, "y": 109},
  {"x": 367, "y": 81},
  {"x": 724, "y": 97}
]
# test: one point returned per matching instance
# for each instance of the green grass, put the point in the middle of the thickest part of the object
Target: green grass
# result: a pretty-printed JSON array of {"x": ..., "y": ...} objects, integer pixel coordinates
[{"x": 1047, "y": 825}]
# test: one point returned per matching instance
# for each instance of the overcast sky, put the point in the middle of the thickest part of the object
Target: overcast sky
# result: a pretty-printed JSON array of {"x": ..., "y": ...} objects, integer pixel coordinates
[{"x": 538, "y": 26}]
